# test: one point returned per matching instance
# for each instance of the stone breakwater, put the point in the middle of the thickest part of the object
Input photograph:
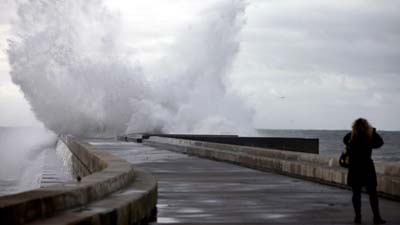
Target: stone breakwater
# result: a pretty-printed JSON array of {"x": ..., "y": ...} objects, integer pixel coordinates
[
  {"x": 111, "y": 191},
  {"x": 312, "y": 167}
]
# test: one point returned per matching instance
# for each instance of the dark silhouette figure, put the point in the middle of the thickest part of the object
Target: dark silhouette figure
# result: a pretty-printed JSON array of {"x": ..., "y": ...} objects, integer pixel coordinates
[{"x": 360, "y": 143}]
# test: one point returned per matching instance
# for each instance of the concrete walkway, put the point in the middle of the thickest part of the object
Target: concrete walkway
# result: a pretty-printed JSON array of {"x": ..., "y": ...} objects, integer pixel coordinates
[{"x": 200, "y": 191}]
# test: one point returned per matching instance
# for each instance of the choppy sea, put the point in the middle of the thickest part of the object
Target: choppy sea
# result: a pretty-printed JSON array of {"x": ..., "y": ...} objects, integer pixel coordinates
[{"x": 331, "y": 141}]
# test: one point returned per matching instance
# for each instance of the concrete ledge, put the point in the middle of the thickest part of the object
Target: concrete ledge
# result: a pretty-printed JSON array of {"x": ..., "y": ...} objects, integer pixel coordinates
[
  {"x": 105, "y": 172},
  {"x": 305, "y": 145},
  {"x": 307, "y": 166},
  {"x": 132, "y": 205}
]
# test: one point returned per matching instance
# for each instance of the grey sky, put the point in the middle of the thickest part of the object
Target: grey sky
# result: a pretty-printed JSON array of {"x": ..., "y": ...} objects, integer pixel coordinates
[{"x": 302, "y": 64}]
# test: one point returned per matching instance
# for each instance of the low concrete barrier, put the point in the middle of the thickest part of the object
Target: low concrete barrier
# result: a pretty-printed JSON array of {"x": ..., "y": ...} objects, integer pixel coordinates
[
  {"x": 306, "y": 145},
  {"x": 313, "y": 167},
  {"x": 102, "y": 175}
]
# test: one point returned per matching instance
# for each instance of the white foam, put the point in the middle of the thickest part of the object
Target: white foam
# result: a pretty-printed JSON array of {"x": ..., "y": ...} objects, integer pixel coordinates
[
  {"x": 22, "y": 157},
  {"x": 75, "y": 72}
]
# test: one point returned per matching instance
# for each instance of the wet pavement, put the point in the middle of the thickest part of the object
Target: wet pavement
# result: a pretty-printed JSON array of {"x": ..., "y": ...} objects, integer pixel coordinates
[{"x": 201, "y": 191}]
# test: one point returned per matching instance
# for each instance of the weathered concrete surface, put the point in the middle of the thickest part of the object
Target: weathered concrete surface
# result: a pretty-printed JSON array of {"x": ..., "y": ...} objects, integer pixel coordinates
[
  {"x": 200, "y": 191},
  {"x": 308, "y": 166},
  {"x": 134, "y": 204}
]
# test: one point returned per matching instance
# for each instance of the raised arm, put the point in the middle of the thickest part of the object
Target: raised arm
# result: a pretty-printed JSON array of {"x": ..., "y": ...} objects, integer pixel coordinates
[
  {"x": 377, "y": 140},
  {"x": 346, "y": 139}
]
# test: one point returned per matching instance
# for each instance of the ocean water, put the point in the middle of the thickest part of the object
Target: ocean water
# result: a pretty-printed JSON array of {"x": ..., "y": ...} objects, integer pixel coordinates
[
  {"x": 23, "y": 152},
  {"x": 331, "y": 141}
]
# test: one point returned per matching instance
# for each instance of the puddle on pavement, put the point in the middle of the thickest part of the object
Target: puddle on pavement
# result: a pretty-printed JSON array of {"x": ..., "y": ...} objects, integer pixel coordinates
[
  {"x": 190, "y": 210},
  {"x": 167, "y": 220}
]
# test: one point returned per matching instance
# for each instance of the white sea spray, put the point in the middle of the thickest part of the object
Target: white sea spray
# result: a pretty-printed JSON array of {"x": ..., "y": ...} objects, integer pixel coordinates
[{"x": 76, "y": 73}]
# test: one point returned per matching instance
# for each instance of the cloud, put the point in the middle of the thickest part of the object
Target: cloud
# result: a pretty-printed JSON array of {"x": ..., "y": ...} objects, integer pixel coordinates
[
  {"x": 359, "y": 39},
  {"x": 330, "y": 61}
]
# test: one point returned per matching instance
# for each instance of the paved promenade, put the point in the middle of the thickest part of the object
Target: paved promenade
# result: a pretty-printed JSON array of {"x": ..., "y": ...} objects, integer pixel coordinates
[{"x": 200, "y": 191}]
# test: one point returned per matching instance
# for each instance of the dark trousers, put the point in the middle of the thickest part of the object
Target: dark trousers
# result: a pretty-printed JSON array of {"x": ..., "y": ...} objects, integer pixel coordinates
[{"x": 373, "y": 200}]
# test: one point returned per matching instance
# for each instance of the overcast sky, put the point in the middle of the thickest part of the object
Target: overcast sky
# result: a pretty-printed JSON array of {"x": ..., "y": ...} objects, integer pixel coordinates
[{"x": 303, "y": 64}]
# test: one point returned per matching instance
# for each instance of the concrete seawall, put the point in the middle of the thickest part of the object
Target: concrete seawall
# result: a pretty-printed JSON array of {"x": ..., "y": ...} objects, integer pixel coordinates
[
  {"x": 305, "y": 145},
  {"x": 307, "y": 166},
  {"x": 111, "y": 192}
]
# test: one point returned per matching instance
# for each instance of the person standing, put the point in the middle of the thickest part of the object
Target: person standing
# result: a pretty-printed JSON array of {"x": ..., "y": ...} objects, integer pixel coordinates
[{"x": 361, "y": 172}]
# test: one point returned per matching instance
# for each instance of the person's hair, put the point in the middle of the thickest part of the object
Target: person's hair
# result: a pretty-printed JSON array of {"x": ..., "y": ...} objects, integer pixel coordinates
[{"x": 362, "y": 131}]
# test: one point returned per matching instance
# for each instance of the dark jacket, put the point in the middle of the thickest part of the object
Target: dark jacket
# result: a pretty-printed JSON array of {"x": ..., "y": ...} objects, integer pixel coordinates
[{"x": 361, "y": 169}]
